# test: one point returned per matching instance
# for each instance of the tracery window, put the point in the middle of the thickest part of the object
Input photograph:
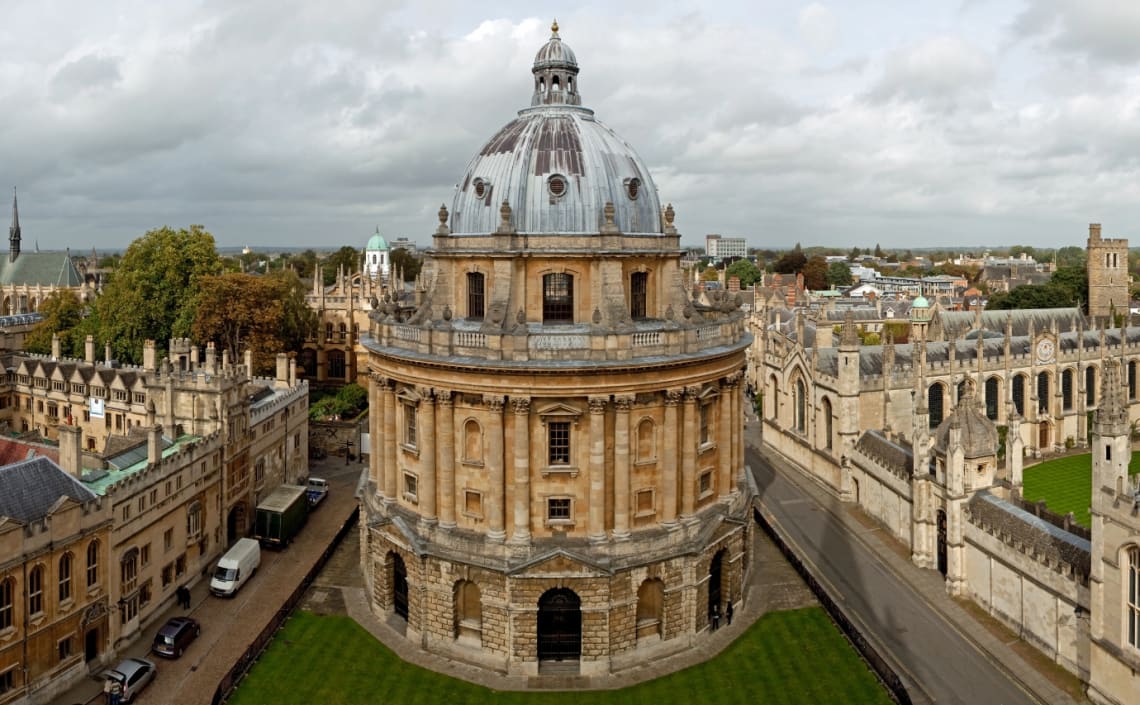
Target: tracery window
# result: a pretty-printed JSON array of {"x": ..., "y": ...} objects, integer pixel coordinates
[
  {"x": 827, "y": 425},
  {"x": 992, "y": 398},
  {"x": 36, "y": 590},
  {"x": 801, "y": 406},
  {"x": 1133, "y": 607},
  {"x": 1043, "y": 392},
  {"x": 65, "y": 577},
  {"x": 1019, "y": 394},
  {"x": 934, "y": 398},
  {"x": 1090, "y": 385},
  {"x": 1067, "y": 389}
]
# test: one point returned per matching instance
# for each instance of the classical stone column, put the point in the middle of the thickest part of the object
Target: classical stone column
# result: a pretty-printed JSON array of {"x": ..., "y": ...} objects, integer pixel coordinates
[
  {"x": 596, "y": 528},
  {"x": 621, "y": 467},
  {"x": 689, "y": 454},
  {"x": 736, "y": 428},
  {"x": 521, "y": 406},
  {"x": 426, "y": 490},
  {"x": 391, "y": 472},
  {"x": 671, "y": 434},
  {"x": 445, "y": 419},
  {"x": 496, "y": 497},
  {"x": 724, "y": 448},
  {"x": 376, "y": 434}
]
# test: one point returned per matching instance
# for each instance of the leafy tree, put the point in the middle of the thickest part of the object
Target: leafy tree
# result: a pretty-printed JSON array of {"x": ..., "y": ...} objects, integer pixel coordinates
[
  {"x": 879, "y": 251},
  {"x": 62, "y": 313},
  {"x": 348, "y": 403},
  {"x": 1018, "y": 250},
  {"x": 1072, "y": 257},
  {"x": 815, "y": 273},
  {"x": 243, "y": 311},
  {"x": 853, "y": 254},
  {"x": 748, "y": 272},
  {"x": 1032, "y": 296},
  {"x": 153, "y": 294},
  {"x": 1075, "y": 281},
  {"x": 304, "y": 263},
  {"x": 791, "y": 262},
  {"x": 298, "y": 321},
  {"x": 346, "y": 257},
  {"x": 710, "y": 275},
  {"x": 839, "y": 274},
  {"x": 406, "y": 262}
]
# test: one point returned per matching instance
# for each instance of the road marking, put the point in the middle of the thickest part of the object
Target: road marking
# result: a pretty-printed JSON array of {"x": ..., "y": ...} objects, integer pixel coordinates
[{"x": 786, "y": 502}]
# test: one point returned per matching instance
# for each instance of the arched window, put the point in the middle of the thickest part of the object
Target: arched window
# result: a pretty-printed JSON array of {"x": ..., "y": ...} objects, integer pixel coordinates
[
  {"x": 65, "y": 577},
  {"x": 1132, "y": 583},
  {"x": 1132, "y": 379},
  {"x": 36, "y": 590},
  {"x": 801, "y": 406},
  {"x": 650, "y": 608},
  {"x": 1043, "y": 392},
  {"x": 475, "y": 300},
  {"x": 6, "y": 605},
  {"x": 827, "y": 427},
  {"x": 934, "y": 396},
  {"x": 472, "y": 442},
  {"x": 92, "y": 564},
  {"x": 1019, "y": 394},
  {"x": 468, "y": 612},
  {"x": 1090, "y": 385},
  {"x": 992, "y": 395},
  {"x": 336, "y": 364},
  {"x": 646, "y": 440},
  {"x": 1067, "y": 390},
  {"x": 961, "y": 391},
  {"x": 557, "y": 298},
  {"x": 637, "y": 287}
]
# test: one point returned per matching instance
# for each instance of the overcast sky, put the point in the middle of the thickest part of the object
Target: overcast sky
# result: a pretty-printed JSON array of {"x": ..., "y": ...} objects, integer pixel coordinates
[{"x": 281, "y": 123}]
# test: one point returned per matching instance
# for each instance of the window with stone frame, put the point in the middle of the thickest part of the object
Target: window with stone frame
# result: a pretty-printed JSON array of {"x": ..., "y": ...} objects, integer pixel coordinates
[
  {"x": 1018, "y": 394},
  {"x": 129, "y": 571},
  {"x": 558, "y": 442},
  {"x": 65, "y": 562},
  {"x": 1090, "y": 385},
  {"x": 705, "y": 484},
  {"x": 410, "y": 425},
  {"x": 1132, "y": 585},
  {"x": 1043, "y": 392},
  {"x": 638, "y": 286},
  {"x": 706, "y": 432},
  {"x": 411, "y": 487},
  {"x": 6, "y": 603},
  {"x": 557, "y": 298},
  {"x": 559, "y": 510},
  {"x": 36, "y": 590},
  {"x": 476, "y": 302},
  {"x": 473, "y": 504},
  {"x": 644, "y": 503},
  {"x": 1132, "y": 380},
  {"x": 92, "y": 564},
  {"x": 1067, "y": 390}
]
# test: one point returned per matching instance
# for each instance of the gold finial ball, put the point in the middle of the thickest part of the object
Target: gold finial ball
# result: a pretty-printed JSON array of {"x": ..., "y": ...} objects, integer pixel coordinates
[{"x": 554, "y": 27}]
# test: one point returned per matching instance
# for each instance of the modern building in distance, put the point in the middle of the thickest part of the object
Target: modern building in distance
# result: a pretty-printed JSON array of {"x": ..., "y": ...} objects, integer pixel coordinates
[
  {"x": 557, "y": 474},
  {"x": 718, "y": 247}
]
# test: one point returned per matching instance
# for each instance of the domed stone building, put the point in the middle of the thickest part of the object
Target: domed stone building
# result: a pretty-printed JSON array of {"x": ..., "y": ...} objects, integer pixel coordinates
[{"x": 556, "y": 478}]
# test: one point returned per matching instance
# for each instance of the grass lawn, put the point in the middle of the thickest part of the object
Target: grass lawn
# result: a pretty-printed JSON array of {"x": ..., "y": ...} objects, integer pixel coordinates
[
  {"x": 786, "y": 657},
  {"x": 1066, "y": 484}
]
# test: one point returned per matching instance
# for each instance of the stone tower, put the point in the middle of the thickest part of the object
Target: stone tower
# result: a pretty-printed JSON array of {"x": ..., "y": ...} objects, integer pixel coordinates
[{"x": 1109, "y": 282}]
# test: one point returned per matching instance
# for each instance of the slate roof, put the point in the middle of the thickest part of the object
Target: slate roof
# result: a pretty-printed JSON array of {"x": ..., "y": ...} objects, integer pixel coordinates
[
  {"x": 894, "y": 456},
  {"x": 44, "y": 268},
  {"x": 29, "y": 489},
  {"x": 1036, "y": 537},
  {"x": 957, "y": 323}
]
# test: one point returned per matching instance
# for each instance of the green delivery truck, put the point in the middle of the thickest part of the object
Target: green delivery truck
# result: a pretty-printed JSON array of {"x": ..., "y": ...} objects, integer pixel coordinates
[{"x": 280, "y": 516}]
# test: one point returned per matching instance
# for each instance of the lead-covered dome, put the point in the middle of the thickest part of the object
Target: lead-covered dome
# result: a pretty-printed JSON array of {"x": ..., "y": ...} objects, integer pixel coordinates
[{"x": 556, "y": 166}]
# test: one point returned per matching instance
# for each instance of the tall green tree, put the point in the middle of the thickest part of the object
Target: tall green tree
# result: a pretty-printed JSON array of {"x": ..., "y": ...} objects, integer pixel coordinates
[
  {"x": 815, "y": 273},
  {"x": 346, "y": 257},
  {"x": 153, "y": 294},
  {"x": 298, "y": 321},
  {"x": 791, "y": 262},
  {"x": 839, "y": 274},
  {"x": 748, "y": 272},
  {"x": 406, "y": 262},
  {"x": 62, "y": 313}
]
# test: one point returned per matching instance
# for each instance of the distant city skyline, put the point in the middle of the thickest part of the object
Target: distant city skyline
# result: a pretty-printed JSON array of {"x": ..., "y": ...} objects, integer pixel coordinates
[{"x": 833, "y": 124}]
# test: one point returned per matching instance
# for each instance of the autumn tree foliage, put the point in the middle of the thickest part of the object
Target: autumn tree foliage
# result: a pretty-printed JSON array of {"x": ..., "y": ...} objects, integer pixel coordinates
[
  {"x": 62, "y": 312},
  {"x": 259, "y": 313}
]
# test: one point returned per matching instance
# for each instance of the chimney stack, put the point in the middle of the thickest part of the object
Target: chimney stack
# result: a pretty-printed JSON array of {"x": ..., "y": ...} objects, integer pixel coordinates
[
  {"x": 70, "y": 449},
  {"x": 89, "y": 350}
]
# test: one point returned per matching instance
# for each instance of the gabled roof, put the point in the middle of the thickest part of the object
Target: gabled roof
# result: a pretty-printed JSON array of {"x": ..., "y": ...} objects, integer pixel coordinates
[
  {"x": 43, "y": 268},
  {"x": 29, "y": 489}
]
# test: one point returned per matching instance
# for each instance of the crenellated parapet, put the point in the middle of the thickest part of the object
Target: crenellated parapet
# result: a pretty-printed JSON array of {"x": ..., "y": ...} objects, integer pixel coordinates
[{"x": 1031, "y": 536}]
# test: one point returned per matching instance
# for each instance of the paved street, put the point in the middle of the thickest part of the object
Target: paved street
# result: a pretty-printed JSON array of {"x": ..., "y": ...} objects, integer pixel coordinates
[
  {"x": 935, "y": 660},
  {"x": 229, "y": 625}
]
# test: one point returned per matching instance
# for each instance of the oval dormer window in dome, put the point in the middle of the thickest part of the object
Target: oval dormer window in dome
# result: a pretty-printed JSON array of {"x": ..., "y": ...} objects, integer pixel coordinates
[
  {"x": 632, "y": 187},
  {"x": 480, "y": 187},
  {"x": 557, "y": 185}
]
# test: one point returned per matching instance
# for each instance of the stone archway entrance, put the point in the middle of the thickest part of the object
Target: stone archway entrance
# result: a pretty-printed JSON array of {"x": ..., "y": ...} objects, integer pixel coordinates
[
  {"x": 399, "y": 586},
  {"x": 715, "y": 570},
  {"x": 559, "y": 626},
  {"x": 942, "y": 542},
  {"x": 236, "y": 523},
  {"x": 1043, "y": 437}
]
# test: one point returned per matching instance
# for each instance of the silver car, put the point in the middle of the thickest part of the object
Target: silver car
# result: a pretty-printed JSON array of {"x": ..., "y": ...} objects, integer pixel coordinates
[{"x": 132, "y": 675}]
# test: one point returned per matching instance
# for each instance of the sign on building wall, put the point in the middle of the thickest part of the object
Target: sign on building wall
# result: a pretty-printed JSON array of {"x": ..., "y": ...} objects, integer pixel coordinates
[{"x": 96, "y": 408}]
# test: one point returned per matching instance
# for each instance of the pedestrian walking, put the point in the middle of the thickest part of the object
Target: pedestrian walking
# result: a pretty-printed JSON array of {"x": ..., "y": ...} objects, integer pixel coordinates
[
  {"x": 728, "y": 612},
  {"x": 715, "y": 617},
  {"x": 183, "y": 597},
  {"x": 114, "y": 692}
]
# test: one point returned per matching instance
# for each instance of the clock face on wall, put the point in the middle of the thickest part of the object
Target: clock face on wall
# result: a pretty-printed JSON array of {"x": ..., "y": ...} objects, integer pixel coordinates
[{"x": 1045, "y": 350}]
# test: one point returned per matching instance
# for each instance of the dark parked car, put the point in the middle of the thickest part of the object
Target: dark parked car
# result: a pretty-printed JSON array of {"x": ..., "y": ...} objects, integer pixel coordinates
[
  {"x": 175, "y": 636},
  {"x": 132, "y": 675}
]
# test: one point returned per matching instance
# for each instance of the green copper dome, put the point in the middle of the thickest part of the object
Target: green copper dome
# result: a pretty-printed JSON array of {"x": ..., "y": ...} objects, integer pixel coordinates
[{"x": 377, "y": 242}]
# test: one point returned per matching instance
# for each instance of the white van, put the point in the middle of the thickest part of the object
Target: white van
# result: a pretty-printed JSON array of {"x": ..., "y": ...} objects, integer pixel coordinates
[{"x": 235, "y": 567}]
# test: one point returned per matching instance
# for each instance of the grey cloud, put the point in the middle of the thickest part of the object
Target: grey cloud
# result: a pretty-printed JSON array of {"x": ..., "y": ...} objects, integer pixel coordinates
[
  {"x": 88, "y": 73},
  {"x": 1105, "y": 30}
]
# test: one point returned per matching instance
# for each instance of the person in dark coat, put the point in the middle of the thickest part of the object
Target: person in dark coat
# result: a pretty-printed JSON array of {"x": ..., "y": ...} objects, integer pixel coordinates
[
  {"x": 715, "y": 617},
  {"x": 728, "y": 612}
]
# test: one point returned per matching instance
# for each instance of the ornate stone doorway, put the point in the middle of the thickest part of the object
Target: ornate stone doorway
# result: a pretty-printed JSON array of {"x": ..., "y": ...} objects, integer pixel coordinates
[
  {"x": 559, "y": 626},
  {"x": 715, "y": 569},
  {"x": 399, "y": 586}
]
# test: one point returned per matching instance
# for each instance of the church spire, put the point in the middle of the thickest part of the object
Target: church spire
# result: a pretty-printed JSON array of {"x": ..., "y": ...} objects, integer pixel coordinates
[{"x": 14, "y": 230}]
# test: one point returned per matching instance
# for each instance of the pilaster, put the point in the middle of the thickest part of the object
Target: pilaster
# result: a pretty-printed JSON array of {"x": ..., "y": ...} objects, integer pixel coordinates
[
  {"x": 496, "y": 498},
  {"x": 521, "y": 408},
  {"x": 596, "y": 529},
  {"x": 622, "y": 406},
  {"x": 445, "y": 415}
]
